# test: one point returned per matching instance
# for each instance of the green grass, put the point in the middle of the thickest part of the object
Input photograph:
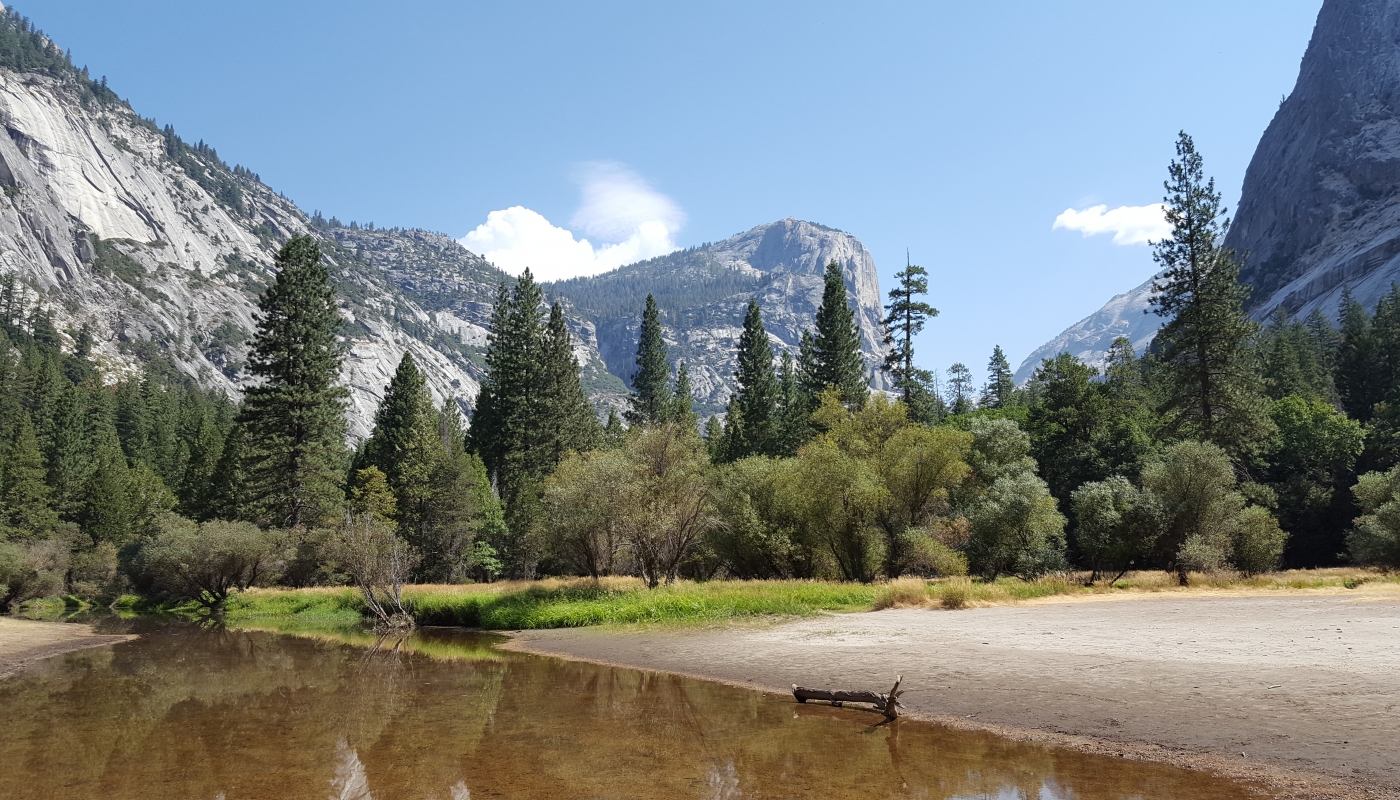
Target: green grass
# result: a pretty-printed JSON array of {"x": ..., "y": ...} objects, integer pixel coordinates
[
  {"x": 561, "y": 604},
  {"x": 556, "y": 603}
]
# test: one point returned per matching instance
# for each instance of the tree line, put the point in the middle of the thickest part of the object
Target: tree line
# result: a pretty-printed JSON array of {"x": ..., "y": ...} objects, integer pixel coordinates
[{"x": 1226, "y": 446}]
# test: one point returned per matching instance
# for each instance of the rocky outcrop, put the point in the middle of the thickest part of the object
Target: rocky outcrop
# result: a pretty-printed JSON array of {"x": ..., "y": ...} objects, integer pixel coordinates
[
  {"x": 1127, "y": 314},
  {"x": 112, "y": 231},
  {"x": 160, "y": 250},
  {"x": 1320, "y": 206},
  {"x": 703, "y": 293}
]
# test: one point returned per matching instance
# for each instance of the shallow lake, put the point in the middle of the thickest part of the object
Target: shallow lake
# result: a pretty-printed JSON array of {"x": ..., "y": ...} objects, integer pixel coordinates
[{"x": 186, "y": 712}]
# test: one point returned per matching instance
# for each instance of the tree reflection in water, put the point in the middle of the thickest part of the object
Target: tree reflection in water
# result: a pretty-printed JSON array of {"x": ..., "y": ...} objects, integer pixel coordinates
[{"x": 185, "y": 712}]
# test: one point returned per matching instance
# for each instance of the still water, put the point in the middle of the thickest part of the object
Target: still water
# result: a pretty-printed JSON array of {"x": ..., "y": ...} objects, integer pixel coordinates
[{"x": 198, "y": 714}]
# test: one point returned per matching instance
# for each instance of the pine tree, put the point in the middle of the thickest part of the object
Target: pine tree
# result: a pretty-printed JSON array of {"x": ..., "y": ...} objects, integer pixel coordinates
[
  {"x": 1357, "y": 372},
  {"x": 1291, "y": 362},
  {"x": 1325, "y": 339},
  {"x": 24, "y": 497},
  {"x": 108, "y": 514},
  {"x": 732, "y": 439},
  {"x": 510, "y": 431},
  {"x": 959, "y": 389},
  {"x": 572, "y": 424},
  {"x": 613, "y": 431},
  {"x": 793, "y": 426},
  {"x": 756, "y": 398},
  {"x": 905, "y": 317},
  {"x": 1385, "y": 330},
  {"x": 1212, "y": 384},
  {"x": 404, "y": 446},
  {"x": 462, "y": 514},
  {"x": 294, "y": 418},
  {"x": 650, "y": 385},
  {"x": 681, "y": 409},
  {"x": 226, "y": 495},
  {"x": 1000, "y": 391},
  {"x": 835, "y": 358},
  {"x": 70, "y": 455},
  {"x": 400, "y": 431},
  {"x": 714, "y": 437},
  {"x": 1123, "y": 372},
  {"x": 486, "y": 435}
]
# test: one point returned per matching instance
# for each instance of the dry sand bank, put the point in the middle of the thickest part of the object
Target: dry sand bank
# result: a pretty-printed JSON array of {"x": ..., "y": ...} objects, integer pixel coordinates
[
  {"x": 1295, "y": 690},
  {"x": 22, "y": 642}
]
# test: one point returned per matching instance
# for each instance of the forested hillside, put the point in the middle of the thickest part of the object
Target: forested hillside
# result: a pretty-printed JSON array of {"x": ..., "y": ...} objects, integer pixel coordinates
[{"x": 1230, "y": 447}]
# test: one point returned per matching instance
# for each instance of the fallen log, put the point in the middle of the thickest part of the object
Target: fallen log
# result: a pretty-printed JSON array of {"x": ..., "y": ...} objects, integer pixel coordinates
[{"x": 888, "y": 703}]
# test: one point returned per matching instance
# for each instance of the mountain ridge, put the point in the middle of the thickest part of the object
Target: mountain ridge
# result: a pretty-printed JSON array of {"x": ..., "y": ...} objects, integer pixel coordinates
[
  {"x": 160, "y": 250},
  {"x": 1319, "y": 209}
]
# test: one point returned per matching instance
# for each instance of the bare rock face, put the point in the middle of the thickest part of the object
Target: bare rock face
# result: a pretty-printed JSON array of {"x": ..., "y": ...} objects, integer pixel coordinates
[
  {"x": 161, "y": 250},
  {"x": 1321, "y": 202},
  {"x": 1320, "y": 206},
  {"x": 703, "y": 294},
  {"x": 112, "y": 231},
  {"x": 1088, "y": 340}
]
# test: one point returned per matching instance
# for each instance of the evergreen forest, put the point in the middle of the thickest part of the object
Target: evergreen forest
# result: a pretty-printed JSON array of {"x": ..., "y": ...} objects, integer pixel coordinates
[{"x": 1227, "y": 446}]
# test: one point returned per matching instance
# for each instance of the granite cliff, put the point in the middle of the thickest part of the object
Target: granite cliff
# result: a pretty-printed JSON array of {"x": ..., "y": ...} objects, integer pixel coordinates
[
  {"x": 1320, "y": 206},
  {"x": 703, "y": 292},
  {"x": 160, "y": 249}
]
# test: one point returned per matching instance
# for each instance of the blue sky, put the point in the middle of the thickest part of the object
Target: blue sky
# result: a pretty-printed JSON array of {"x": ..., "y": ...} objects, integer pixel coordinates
[{"x": 960, "y": 131}]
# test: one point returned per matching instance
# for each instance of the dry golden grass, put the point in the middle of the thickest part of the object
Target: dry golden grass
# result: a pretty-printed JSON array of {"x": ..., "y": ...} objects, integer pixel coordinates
[
  {"x": 571, "y": 602},
  {"x": 901, "y": 593}
]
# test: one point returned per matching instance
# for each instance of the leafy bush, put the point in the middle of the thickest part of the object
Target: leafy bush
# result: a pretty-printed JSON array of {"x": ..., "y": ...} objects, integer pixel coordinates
[
  {"x": 1117, "y": 525},
  {"x": 1016, "y": 529},
  {"x": 1257, "y": 541},
  {"x": 31, "y": 570},
  {"x": 204, "y": 562},
  {"x": 1207, "y": 524},
  {"x": 1376, "y": 539}
]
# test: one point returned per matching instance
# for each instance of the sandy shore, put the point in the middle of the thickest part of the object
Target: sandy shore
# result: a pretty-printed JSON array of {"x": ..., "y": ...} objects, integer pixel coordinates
[
  {"x": 22, "y": 642},
  {"x": 1297, "y": 691}
]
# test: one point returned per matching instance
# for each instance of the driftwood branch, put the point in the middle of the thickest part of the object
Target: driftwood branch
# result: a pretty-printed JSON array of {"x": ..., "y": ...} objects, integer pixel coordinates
[{"x": 888, "y": 702}]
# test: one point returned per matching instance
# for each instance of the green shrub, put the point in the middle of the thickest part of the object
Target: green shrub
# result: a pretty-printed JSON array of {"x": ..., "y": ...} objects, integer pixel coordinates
[
  {"x": 31, "y": 570},
  {"x": 1376, "y": 539}
]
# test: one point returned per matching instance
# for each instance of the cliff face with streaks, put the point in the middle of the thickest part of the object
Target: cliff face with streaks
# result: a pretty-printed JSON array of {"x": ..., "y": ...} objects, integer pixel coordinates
[
  {"x": 1320, "y": 205},
  {"x": 160, "y": 250}
]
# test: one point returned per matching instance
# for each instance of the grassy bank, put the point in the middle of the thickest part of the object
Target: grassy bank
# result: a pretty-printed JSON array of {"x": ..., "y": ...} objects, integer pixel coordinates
[
  {"x": 966, "y": 592},
  {"x": 555, "y": 603},
  {"x": 564, "y": 603}
]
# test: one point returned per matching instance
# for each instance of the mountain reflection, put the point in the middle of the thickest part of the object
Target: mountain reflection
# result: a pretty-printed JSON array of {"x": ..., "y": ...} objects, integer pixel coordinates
[{"x": 182, "y": 713}]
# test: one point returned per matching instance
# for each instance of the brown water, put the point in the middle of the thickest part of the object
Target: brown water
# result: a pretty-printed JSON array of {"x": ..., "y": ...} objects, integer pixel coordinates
[{"x": 226, "y": 715}]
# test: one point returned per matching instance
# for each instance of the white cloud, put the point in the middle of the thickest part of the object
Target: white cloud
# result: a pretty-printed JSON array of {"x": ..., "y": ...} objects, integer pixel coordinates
[
  {"x": 1128, "y": 224},
  {"x": 630, "y": 220}
]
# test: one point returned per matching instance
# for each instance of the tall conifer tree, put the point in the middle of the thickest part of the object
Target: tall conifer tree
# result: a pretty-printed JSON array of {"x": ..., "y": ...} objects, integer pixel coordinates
[
  {"x": 294, "y": 417},
  {"x": 1357, "y": 376},
  {"x": 756, "y": 398},
  {"x": 24, "y": 497},
  {"x": 960, "y": 389},
  {"x": 651, "y": 393},
  {"x": 1000, "y": 391},
  {"x": 1212, "y": 382},
  {"x": 905, "y": 317},
  {"x": 682, "y": 407},
  {"x": 835, "y": 360},
  {"x": 569, "y": 417},
  {"x": 793, "y": 426}
]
